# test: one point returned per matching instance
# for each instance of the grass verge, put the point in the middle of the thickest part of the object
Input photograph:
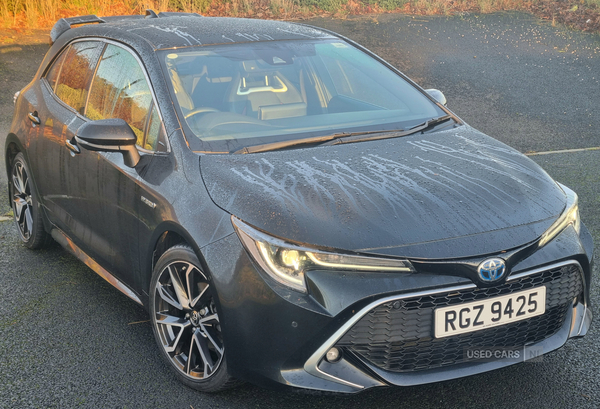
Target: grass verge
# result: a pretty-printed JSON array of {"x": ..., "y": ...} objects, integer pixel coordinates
[{"x": 42, "y": 14}]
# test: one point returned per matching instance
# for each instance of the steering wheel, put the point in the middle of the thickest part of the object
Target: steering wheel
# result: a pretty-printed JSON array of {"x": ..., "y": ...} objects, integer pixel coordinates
[{"x": 200, "y": 110}]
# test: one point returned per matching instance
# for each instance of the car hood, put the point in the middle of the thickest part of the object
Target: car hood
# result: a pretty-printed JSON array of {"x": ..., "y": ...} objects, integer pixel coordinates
[{"x": 447, "y": 194}]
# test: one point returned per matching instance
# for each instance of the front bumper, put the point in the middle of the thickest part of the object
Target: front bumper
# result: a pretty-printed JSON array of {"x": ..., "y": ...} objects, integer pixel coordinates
[
  {"x": 392, "y": 337},
  {"x": 276, "y": 337}
]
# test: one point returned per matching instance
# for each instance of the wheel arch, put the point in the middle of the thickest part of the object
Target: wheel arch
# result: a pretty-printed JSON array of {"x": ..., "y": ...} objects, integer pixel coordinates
[
  {"x": 12, "y": 147},
  {"x": 165, "y": 236},
  {"x": 174, "y": 249}
]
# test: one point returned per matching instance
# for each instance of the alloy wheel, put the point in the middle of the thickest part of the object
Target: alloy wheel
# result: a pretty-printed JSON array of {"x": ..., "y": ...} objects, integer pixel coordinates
[
  {"x": 186, "y": 320},
  {"x": 22, "y": 201}
]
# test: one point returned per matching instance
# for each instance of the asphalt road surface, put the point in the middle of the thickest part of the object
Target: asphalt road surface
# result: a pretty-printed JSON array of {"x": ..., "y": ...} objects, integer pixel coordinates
[{"x": 68, "y": 339}]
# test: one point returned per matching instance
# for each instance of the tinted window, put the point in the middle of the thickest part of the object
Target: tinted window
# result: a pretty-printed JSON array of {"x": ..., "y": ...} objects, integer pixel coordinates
[
  {"x": 240, "y": 95},
  {"x": 54, "y": 71},
  {"x": 347, "y": 72},
  {"x": 120, "y": 90},
  {"x": 73, "y": 80},
  {"x": 155, "y": 135}
]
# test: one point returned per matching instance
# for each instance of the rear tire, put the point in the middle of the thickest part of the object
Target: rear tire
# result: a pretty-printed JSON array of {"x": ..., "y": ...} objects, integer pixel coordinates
[
  {"x": 25, "y": 204},
  {"x": 186, "y": 323}
]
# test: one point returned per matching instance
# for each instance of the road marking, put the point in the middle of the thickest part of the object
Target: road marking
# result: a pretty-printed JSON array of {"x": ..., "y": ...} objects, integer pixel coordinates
[{"x": 563, "y": 151}]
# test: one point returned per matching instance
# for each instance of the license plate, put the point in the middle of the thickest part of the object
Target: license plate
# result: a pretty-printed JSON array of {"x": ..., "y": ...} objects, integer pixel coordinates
[{"x": 478, "y": 315}]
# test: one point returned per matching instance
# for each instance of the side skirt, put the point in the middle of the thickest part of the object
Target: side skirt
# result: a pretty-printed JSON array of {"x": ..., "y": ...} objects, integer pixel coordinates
[{"x": 68, "y": 244}]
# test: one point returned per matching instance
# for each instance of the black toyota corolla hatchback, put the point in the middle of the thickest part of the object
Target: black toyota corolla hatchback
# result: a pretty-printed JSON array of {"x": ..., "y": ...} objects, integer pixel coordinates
[{"x": 291, "y": 209}]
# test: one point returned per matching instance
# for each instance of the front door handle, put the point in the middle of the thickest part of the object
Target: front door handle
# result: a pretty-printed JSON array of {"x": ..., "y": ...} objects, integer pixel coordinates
[
  {"x": 33, "y": 117},
  {"x": 72, "y": 147}
]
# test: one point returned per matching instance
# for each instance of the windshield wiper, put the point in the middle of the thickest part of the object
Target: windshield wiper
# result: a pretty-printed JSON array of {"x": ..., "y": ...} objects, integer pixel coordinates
[
  {"x": 343, "y": 137},
  {"x": 375, "y": 135},
  {"x": 273, "y": 146}
]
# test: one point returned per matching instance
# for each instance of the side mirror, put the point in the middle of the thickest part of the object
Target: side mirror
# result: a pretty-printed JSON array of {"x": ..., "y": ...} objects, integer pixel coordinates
[
  {"x": 109, "y": 135},
  {"x": 437, "y": 95}
]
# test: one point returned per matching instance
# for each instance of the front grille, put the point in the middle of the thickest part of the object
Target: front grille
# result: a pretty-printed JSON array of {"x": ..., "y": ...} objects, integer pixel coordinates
[{"x": 398, "y": 336}]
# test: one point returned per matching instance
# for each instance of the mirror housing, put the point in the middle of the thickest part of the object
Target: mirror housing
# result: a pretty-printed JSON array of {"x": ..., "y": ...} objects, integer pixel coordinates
[
  {"x": 437, "y": 95},
  {"x": 109, "y": 135}
]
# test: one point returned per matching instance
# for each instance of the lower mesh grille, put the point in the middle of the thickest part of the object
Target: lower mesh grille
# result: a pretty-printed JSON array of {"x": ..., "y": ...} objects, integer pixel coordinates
[{"x": 398, "y": 336}]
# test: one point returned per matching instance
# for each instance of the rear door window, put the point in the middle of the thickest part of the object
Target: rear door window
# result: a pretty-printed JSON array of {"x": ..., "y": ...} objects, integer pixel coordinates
[
  {"x": 54, "y": 71},
  {"x": 71, "y": 83}
]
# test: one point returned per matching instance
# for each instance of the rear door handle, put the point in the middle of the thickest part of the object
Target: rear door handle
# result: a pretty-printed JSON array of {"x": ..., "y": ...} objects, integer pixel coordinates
[{"x": 33, "y": 117}]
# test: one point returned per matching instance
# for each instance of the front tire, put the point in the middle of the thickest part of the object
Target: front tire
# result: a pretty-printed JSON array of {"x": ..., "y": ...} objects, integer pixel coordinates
[
  {"x": 186, "y": 323},
  {"x": 25, "y": 205}
]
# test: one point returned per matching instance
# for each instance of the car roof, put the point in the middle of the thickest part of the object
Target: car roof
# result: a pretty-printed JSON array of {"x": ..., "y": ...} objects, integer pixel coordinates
[{"x": 175, "y": 30}]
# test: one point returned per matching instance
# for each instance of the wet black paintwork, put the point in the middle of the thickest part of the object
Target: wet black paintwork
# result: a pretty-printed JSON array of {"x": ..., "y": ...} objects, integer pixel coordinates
[
  {"x": 185, "y": 31},
  {"x": 438, "y": 197},
  {"x": 248, "y": 301},
  {"x": 107, "y": 132},
  {"x": 175, "y": 32},
  {"x": 448, "y": 194}
]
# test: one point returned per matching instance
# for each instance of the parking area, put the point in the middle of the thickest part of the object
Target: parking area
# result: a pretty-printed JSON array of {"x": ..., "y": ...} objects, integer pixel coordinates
[{"x": 68, "y": 339}]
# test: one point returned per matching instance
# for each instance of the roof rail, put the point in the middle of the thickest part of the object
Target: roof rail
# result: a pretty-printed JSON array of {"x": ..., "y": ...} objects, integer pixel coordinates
[
  {"x": 65, "y": 24},
  {"x": 162, "y": 14}
]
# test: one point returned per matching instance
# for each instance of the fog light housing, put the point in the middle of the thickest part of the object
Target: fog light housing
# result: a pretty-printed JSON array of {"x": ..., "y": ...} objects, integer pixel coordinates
[{"x": 333, "y": 355}]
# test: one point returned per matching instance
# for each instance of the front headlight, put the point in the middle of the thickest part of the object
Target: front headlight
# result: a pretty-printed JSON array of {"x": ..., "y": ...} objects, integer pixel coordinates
[
  {"x": 287, "y": 262},
  {"x": 569, "y": 217}
]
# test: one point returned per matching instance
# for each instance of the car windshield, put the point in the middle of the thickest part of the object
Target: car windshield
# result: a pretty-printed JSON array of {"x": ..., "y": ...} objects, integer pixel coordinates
[{"x": 242, "y": 95}]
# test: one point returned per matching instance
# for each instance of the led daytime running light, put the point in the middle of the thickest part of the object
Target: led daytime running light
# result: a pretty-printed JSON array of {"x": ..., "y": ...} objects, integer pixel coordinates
[
  {"x": 569, "y": 217},
  {"x": 287, "y": 263},
  {"x": 346, "y": 262}
]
